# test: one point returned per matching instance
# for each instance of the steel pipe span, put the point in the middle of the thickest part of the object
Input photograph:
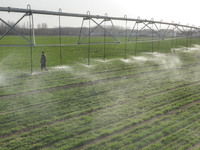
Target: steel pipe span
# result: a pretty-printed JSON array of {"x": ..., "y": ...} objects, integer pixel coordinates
[
  {"x": 44, "y": 12},
  {"x": 172, "y": 31}
]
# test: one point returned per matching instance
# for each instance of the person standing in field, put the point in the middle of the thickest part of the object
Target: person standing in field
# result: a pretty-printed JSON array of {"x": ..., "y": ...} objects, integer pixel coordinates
[{"x": 43, "y": 62}]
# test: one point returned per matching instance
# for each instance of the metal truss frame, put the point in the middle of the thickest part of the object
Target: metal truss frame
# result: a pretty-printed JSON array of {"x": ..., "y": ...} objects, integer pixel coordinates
[
  {"x": 30, "y": 12},
  {"x": 12, "y": 28},
  {"x": 181, "y": 31},
  {"x": 86, "y": 35}
]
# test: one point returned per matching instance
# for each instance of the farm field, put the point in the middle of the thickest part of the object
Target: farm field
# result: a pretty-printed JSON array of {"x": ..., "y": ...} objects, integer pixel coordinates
[{"x": 150, "y": 101}]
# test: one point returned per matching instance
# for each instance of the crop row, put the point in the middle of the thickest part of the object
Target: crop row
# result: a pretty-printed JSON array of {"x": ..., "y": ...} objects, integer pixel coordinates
[
  {"x": 113, "y": 104},
  {"x": 168, "y": 132},
  {"x": 28, "y": 83},
  {"x": 35, "y": 83},
  {"x": 105, "y": 134},
  {"x": 95, "y": 101},
  {"x": 166, "y": 109},
  {"x": 79, "y": 102},
  {"x": 104, "y": 117},
  {"x": 97, "y": 112}
]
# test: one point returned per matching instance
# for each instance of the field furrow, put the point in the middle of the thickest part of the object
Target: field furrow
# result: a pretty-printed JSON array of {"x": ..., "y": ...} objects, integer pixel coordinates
[{"x": 148, "y": 101}]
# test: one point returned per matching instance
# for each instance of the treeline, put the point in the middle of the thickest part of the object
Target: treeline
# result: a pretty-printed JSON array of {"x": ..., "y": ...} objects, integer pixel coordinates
[{"x": 43, "y": 30}]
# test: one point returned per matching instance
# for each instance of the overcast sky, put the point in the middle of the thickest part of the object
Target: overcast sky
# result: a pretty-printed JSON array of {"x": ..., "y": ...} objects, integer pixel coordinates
[{"x": 168, "y": 10}]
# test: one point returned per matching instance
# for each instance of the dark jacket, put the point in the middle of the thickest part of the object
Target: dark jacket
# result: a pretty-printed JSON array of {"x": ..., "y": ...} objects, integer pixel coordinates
[{"x": 43, "y": 59}]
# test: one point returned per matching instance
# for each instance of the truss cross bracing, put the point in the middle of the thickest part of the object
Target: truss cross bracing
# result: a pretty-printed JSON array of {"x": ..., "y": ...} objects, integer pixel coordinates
[
  {"x": 154, "y": 29},
  {"x": 152, "y": 25}
]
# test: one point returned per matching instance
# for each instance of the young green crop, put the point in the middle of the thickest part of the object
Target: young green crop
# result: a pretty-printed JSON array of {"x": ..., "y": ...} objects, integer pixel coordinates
[{"x": 146, "y": 102}]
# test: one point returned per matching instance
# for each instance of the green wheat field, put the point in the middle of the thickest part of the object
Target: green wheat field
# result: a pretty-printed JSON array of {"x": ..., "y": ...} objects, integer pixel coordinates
[{"x": 131, "y": 96}]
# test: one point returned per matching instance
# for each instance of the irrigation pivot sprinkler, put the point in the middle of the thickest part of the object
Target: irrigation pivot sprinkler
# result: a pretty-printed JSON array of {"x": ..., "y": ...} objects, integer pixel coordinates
[{"x": 185, "y": 31}]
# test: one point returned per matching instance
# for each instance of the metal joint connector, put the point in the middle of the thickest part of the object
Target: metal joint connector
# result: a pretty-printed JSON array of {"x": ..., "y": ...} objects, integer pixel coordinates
[
  {"x": 30, "y": 13},
  {"x": 139, "y": 22},
  {"x": 9, "y": 9},
  {"x": 87, "y": 18}
]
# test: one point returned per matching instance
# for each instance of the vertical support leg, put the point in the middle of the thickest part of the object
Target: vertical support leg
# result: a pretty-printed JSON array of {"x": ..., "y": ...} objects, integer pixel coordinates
[
  {"x": 89, "y": 39},
  {"x": 60, "y": 10},
  {"x": 152, "y": 41},
  {"x": 152, "y": 37},
  {"x": 31, "y": 48},
  {"x": 188, "y": 36},
  {"x": 176, "y": 37},
  {"x": 132, "y": 31},
  {"x": 30, "y": 28},
  {"x": 191, "y": 34},
  {"x": 184, "y": 31},
  {"x": 104, "y": 48},
  {"x": 33, "y": 30},
  {"x": 136, "y": 40},
  {"x": 79, "y": 38},
  {"x": 186, "y": 45},
  {"x": 199, "y": 37},
  {"x": 105, "y": 38},
  {"x": 172, "y": 45},
  {"x": 159, "y": 37},
  {"x": 125, "y": 38}
]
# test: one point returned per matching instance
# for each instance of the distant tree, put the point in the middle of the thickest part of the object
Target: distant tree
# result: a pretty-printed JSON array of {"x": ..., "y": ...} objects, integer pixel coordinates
[
  {"x": 44, "y": 25},
  {"x": 38, "y": 26}
]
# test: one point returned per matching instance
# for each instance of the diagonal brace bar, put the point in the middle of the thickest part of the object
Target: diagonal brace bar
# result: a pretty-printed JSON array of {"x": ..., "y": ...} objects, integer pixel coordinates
[
  {"x": 165, "y": 31},
  {"x": 12, "y": 28},
  {"x": 151, "y": 28},
  {"x": 132, "y": 31},
  {"x": 89, "y": 32},
  {"x": 98, "y": 25},
  {"x": 137, "y": 31},
  {"x": 106, "y": 30}
]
